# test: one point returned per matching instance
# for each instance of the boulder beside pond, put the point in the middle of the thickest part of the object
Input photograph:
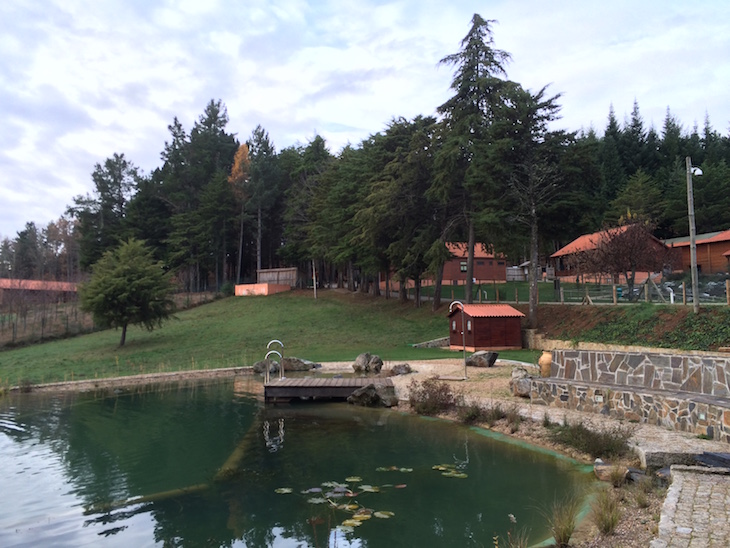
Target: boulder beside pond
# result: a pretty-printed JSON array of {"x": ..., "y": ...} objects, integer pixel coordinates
[
  {"x": 290, "y": 363},
  {"x": 482, "y": 358},
  {"x": 374, "y": 396},
  {"x": 400, "y": 369},
  {"x": 367, "y": 363},
  {"x": 521, "y": 382}
]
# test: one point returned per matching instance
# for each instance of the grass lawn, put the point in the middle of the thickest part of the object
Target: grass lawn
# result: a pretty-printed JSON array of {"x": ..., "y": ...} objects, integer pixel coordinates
[{"x": 234, "y": 332}]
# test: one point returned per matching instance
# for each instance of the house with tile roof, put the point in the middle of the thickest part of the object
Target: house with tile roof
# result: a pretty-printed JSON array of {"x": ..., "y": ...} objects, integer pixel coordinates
[
  {"x": 713, "y": 251},
  {"x": 485, "y": 327},
  {"x": 10, "y": 287},
  {"x": 488, "y": 266},
  {"x": 578, "y": 259}
]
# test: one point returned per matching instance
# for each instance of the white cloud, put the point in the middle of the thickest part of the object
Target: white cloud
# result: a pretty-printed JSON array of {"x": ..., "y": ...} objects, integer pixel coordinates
[{"x": 81, "y": 80}]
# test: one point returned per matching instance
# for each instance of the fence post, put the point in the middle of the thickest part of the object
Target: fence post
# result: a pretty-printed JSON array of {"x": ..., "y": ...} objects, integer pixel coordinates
[
  {"x": 517, "y": 297},
  {"x": 684, "y": 293},
  {"x": 727, "y": 291},
  {"x": 646, "y": 291},
  {"x": 615, "y": 299},
  {"x": 562, "y": 296}
]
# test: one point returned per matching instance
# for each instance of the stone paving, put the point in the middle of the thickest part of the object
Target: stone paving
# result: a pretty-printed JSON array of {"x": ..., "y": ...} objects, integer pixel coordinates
[{"x": 696, "y": 511}]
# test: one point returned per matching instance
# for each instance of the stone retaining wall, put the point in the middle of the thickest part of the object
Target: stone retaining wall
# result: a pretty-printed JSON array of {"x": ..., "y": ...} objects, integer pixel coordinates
[{"x": 684, "y": 392}]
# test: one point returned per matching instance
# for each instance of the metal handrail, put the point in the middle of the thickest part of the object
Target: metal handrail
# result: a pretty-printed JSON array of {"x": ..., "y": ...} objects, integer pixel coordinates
[{"x": 267, "y": 375}]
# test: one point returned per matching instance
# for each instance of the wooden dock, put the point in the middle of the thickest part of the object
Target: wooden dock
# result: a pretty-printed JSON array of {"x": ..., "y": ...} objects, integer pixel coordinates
[{"x": 304, "y": 388}]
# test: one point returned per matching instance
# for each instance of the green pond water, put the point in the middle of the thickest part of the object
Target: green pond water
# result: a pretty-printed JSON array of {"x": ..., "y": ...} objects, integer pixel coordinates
[{"x": 143, "y": 468}]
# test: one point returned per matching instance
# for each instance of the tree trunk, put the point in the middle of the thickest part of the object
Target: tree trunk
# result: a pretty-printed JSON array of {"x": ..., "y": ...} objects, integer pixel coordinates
[
  {"x": 437, "y": 288},
  {"x": 470, "y": 264},
  {"x": 258, "y": 243},
  {"x": 417, "y": 291},
  {"x": 350, "y": 277},
  {"x": 240, "y": 249},
  {"x": 534, "y": 269},
  {"x": 124, "y": 335},
  {"x": 403, "y": 291}
]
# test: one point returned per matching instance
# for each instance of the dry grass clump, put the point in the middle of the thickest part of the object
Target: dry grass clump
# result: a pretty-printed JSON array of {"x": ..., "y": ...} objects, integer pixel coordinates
[{"x": 605, "y": 512}]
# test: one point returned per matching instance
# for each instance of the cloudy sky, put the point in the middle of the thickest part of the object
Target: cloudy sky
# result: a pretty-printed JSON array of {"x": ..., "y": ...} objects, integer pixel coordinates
[{"x": 83, "y": 79}]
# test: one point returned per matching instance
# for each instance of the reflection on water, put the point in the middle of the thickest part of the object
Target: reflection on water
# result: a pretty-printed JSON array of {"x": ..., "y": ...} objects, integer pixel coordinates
[{"x": 208, "y": 465}]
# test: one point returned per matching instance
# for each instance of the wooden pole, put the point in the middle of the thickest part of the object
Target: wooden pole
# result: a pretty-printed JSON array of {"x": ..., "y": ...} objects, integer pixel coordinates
[
  {"x": 727, "y": 291},
  {"x": 684, "y": 293},
  {"x": 615, "y": 296},
  {"x": 314, "y": 280}
]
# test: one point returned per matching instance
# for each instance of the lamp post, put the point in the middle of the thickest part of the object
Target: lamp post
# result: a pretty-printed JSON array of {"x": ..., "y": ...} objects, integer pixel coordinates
[
  {"x": 692, "y": 235},
  {"x": 463, "y": 330}
]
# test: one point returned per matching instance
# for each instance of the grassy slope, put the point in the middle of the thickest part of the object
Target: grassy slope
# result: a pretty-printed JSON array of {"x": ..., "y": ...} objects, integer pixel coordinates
[
  {"x": 234, "y": 332},
  {"x": 667, "y": 326},
  {"x": 336, "y": 327}
]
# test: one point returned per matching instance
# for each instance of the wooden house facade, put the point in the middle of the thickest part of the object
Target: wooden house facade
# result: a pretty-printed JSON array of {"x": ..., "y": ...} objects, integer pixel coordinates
[
  {"x": 488, "y": 267},
  {"x": 713, "y": 252},
  {"x": 485, "y": 327},
  {"x": 12, "y": 289}
]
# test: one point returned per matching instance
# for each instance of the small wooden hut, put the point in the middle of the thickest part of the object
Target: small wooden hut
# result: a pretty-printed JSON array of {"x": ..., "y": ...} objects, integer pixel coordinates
[{"x": 487, "y": 327}]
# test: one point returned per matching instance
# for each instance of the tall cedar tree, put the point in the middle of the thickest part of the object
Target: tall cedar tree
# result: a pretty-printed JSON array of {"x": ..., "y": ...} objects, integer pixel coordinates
[{"x": 463, "y": 182}]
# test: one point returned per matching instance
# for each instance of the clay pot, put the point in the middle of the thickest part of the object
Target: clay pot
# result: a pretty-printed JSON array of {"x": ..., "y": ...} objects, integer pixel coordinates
[{"x": 545, "y": 362}]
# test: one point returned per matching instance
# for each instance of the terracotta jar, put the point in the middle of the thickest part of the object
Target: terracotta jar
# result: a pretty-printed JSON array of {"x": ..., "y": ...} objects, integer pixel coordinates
[{"x": 545, "y": 362}]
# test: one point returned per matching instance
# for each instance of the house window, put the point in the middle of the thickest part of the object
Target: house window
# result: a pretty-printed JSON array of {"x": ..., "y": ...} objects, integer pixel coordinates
[
  {"x": 463, "y": 266},
  {"x": 480, "y": 263},
  {"x": 500, "y": 263},
  {"x": 491, "y": 263},
  {"x": 453, "y": 326},
  {"x": 468, "y": 326}
]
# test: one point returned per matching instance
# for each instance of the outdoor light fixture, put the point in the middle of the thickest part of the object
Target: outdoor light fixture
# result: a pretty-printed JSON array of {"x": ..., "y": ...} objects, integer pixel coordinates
[{"x": 692, "y": 236}]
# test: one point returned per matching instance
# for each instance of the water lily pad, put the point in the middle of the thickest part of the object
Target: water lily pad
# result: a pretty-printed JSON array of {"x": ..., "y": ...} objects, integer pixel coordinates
[
  {"x": 455, "y": 474},
  {"x": 346, "y": 528},
  {"x": 382, "y": 469},
  {"x": 317, "y": 500},
  {"x": 312, "y": 490},
  {"x": 332, "y": 484},
  {"x": 383, "y": 514},
  {"x": 364, "y": 512},
  {"x": 283, "y": 490},
  {"x": 362, "y": 517},
  {"x": 334, "y": 495},
  {"x": 353, "y": 479},
  {"x": 370, "y": 488},
  {"x": 400, "y": 486},
  {"x": 406, "y": 469},
  {"x": 352, "y": 523}
]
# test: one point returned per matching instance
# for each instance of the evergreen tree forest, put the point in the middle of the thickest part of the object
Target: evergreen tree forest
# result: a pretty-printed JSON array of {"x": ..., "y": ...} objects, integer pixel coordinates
[{"x": 491, "y": 165}]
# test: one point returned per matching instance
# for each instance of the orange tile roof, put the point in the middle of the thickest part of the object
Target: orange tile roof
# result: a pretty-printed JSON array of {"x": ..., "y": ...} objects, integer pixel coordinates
[
  {"x": 489, "y": 311},
  {"x": 587, "y": 242},
  {"x": 459, "y": 249},
  {"x": 720, "y": 237},
  {"x": 36, "y": 285}
]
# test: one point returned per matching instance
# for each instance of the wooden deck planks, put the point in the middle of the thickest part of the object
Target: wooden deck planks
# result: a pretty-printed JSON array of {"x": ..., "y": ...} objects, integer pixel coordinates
[{"x": 318, "y": 387}]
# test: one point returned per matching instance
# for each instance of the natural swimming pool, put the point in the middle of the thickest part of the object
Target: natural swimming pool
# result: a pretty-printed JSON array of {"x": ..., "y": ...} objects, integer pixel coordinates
[{"x": 143, "y": 468}]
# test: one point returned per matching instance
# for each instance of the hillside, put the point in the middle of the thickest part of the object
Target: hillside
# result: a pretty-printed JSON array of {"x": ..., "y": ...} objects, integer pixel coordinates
[{"x": 642, "y": 324}]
